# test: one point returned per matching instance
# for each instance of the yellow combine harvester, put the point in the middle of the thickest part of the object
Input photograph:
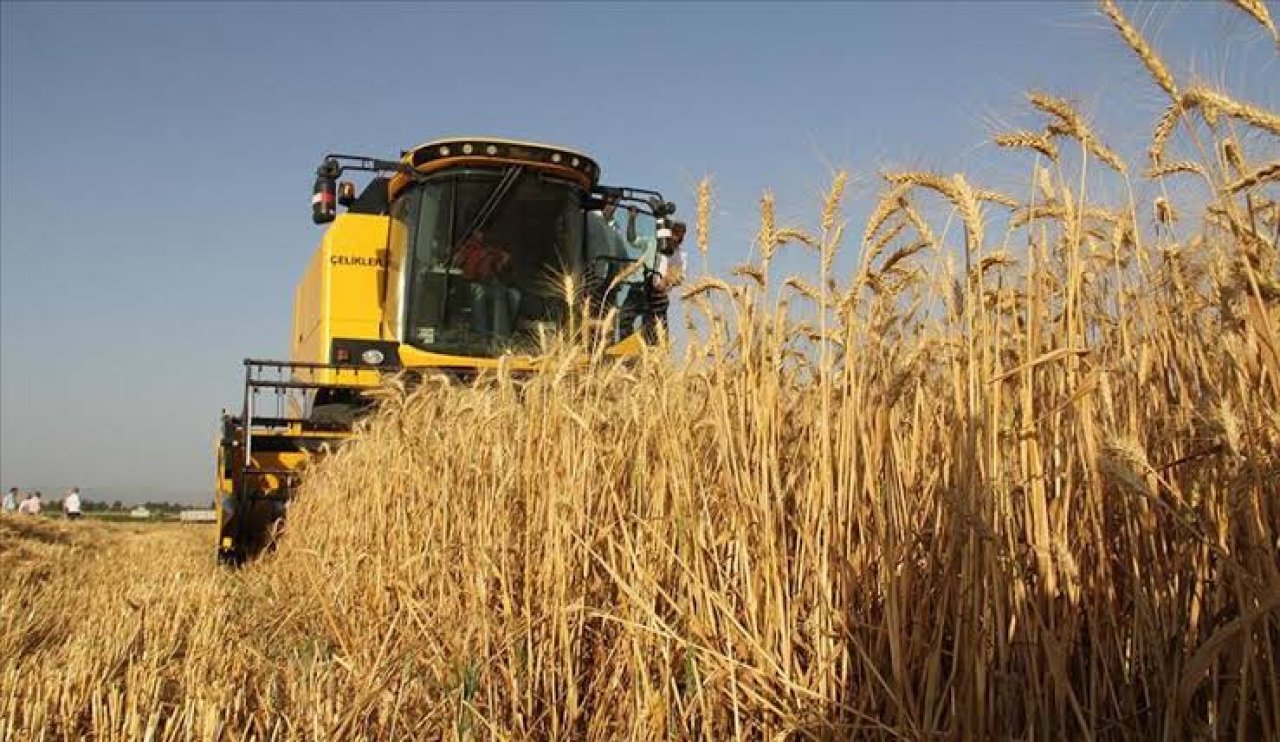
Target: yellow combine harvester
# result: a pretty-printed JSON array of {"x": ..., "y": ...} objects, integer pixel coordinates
[{"x": 450, "y": 258}]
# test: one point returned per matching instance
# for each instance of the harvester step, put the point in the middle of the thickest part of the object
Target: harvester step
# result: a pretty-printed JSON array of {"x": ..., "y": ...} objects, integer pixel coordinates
[
  {"x": 277, "y": 472},
  {"x": 280, "y": 422}
]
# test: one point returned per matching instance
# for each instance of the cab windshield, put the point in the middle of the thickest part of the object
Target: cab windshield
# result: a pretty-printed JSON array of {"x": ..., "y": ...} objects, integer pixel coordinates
[{"x": 488, "y": 253}]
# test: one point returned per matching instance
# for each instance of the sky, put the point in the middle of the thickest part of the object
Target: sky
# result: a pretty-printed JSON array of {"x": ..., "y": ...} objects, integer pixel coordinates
[{"x": 156, "y": 159}]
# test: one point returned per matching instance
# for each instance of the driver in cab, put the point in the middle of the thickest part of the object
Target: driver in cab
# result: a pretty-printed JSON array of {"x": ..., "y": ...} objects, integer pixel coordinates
[{"x": 480, "y": 258}]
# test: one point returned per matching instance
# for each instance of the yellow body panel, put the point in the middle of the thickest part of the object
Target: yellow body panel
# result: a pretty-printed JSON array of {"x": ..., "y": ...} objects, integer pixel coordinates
[
  {"x": 411, "y": 357},
  {"x": 397, "y": 260},
  {"x": 342, "y": 295}
]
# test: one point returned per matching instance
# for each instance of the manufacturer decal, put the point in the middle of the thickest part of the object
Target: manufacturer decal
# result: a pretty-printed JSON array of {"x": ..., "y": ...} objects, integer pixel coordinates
[{"x": 362, "y": 261}]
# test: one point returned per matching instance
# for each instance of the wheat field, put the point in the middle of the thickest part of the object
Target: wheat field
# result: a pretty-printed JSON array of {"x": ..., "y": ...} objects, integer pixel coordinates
[{"x": 1011, "y": 477}]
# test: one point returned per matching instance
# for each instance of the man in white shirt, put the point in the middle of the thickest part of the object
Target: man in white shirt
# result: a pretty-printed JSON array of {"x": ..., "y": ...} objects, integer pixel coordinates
[
  {"x": 11, "y": 500},
  {"x": 669, "y": 268},
  {"x": 31, "y": 505},
  {"x": 71, "y": 504},
  {"x": 668, "y": 272}
]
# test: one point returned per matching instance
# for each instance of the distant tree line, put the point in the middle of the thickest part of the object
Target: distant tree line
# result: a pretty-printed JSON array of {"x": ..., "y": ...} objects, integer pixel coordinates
[{"x": 167, "y": 508}]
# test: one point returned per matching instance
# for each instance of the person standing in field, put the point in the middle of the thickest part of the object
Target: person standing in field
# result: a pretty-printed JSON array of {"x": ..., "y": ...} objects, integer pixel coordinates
[
  {"x": 71, "y": 504},
  {"x": 11, "y": 500},
  {"x": 31, "y": 505}
]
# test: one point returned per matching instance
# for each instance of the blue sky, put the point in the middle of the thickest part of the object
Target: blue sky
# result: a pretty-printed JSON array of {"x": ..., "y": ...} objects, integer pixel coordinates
[{"x": 156, "y": 159}]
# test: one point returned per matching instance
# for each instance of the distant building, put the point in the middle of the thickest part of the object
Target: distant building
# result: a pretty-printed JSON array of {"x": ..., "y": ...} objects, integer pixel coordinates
[
  {"x": 198, "y": 516},
  {"x": 140, "y": 512}
]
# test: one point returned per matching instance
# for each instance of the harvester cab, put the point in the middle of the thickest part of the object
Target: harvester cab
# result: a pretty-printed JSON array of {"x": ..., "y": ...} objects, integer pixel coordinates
[{"x": 454, "y": 258}]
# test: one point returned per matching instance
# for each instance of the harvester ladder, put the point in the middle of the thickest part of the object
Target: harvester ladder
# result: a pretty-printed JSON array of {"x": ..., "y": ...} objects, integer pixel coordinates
[{"x": 281, "y": 377}]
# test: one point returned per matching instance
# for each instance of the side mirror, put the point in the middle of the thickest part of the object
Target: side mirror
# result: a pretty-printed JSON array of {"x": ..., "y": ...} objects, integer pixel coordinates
[{"x": 324, "y": 201}]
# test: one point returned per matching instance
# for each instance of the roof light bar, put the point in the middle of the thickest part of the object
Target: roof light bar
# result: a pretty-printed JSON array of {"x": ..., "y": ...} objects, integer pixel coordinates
[{"x": 510, "y": 150}]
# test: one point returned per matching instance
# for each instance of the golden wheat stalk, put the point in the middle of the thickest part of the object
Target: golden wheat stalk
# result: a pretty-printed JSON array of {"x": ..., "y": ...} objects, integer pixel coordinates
[
  {"x": 1071, "y": 123},
  {"x": 1213, "y": 103},
  {"x": 1232, "y": 155},
  {"x": 1266, "y": 174},
  {"x": 804, "y": 288},
  {"x": 1258, "y": 11},
  {"x": 918, "y": 222},
  {"x": 1107, "y": 156},
  {"x": 834, "y": 239},
  {"x": 1189, "y": 167},
  {"x": 1029, "y": 140},
  {"x": 706, "y": 286},
  {"x": 832, "y": 233},
  {"x": 767, "y": 238},
  {"x": 903, "y": 253},
  {"x": 996, "y": 197},
  {"x": 924, "y": 179},
  {"x": 750, "y": 271},
  {"x": 1163, "y": 131},
  {"x": 702, "y": 225},
  {"x": 957, "y": 191},
  {"x": 970, "y": 213},
  {"x": 997, "y": 259},
  {"x": 1139, "y": 45},
  {"x": 1063, "y": 212},
  {"x": 1043, "y": 182},
  {"x": 1028, "y": 214},
  {"x": 787, "y": 235},
  {"x": 884, "y": 240},
  {"x": 884, "y": 208},
  {"x": 835, "y": 194}
]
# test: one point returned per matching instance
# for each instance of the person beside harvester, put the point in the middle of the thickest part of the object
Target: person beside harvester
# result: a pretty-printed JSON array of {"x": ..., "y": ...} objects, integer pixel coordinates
[
  {"x": 71, "y": 504},
  {"x": 11, "y": 500},
  {"x": 664, "y": 270}
]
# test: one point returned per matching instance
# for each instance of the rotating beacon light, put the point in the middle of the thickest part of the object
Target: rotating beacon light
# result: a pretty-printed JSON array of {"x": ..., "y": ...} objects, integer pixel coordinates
[{"x": 324, "y": 196}]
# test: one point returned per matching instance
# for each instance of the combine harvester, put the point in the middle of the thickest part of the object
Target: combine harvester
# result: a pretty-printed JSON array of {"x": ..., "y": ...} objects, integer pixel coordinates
[{"x": 449, "y": 259}]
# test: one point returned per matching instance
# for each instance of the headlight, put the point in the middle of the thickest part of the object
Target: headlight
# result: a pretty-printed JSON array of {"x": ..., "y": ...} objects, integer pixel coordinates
[{"x": 367, "y": 352}]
